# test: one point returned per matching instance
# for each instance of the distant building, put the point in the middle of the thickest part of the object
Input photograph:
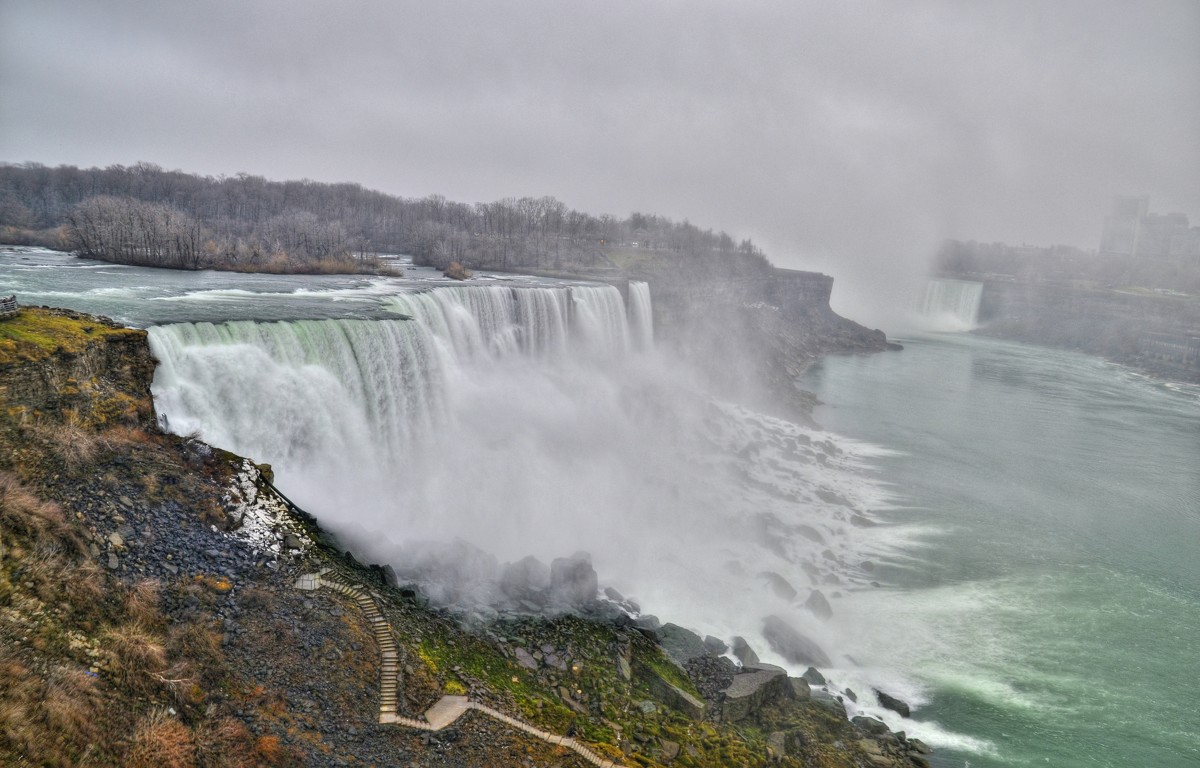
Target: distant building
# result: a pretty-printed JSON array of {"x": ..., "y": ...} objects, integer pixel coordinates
[{"x": 1131, "y": 230}]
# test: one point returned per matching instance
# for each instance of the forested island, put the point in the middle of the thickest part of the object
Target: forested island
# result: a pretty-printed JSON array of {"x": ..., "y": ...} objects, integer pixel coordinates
[{"x": 148, "y": 216}]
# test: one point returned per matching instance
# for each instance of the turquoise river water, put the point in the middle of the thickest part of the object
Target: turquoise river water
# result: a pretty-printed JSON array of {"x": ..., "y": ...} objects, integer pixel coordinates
[{"x": 1053, "y": 611}]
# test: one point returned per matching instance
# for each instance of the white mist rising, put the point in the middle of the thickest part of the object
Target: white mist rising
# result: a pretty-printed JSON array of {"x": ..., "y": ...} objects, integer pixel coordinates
[{"x": 501, "y": 422}]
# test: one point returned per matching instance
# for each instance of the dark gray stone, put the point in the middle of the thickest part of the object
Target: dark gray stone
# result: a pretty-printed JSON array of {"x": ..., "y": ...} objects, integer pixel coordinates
[
  {"x": 743, "y": 652},
  {"x": 817, "y": 603},
  {"x": 888, "y": 701},
  {"x": 870, "y": 725},
  {"x": 668, "y": 693},
  {"x": 779, "y": 585},
  {"x": 573, "y": 580},
  {"x": 829, "y": 702},
  {"x": 753, "y": 688},
  {"x": 813, "y": 677},
  {"x": 789, "y": 643},
  {"x": 527, "y": 579},
  {"x": 525, "y": 659},
  {"x": 800, "y": 687},
  {"x": 715, "y": 645},
  {"x": 681, "y": 644}
]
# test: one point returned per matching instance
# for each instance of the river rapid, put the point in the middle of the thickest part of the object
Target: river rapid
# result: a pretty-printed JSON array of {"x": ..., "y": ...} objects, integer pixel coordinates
[{"x": 1007, "y": 536}]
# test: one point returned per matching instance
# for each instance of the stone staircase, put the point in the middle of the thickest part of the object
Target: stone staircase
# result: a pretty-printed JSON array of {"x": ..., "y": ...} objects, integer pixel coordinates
[{"x": 447, "y": 709}]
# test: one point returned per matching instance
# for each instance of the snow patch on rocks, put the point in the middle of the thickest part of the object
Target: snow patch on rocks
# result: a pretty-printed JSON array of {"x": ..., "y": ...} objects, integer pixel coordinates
[{"x": 265, "y": 524}]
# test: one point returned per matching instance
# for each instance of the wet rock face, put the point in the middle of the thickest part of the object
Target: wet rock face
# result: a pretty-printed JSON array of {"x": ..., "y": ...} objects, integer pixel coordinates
[
  {"x": 789, "y": 643},
  {"x": 891, "y": 702}
]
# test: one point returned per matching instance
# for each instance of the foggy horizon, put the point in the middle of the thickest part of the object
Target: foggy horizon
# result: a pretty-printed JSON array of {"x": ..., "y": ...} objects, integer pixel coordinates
[{"x": 848, "y": 139}]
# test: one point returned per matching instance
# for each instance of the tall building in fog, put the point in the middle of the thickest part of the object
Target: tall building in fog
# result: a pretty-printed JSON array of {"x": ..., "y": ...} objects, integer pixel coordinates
[{"x": 1131, "y": 230}]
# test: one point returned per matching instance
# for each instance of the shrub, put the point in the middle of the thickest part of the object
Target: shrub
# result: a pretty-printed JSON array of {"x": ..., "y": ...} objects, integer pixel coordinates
[{"x": 456, "y": 271}]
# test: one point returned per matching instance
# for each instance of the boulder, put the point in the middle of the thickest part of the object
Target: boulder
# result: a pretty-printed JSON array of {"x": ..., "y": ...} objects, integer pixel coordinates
[
  {"x": 573, "y": 581},
  {"x": 829, "y": 702},
  {"x": 715, "y": 645},
  {"x": 526, "y": 579},
  {"x": 870, "y": 725},
  {"x": 525, "y": 659},
  {"x": 743, "y": 652},
  {"x": 753, "y": 688},
  {"x": 820, "y": 607},
  {"x": 669, "y": 750},
  {"x": 668, "y": 693},
  {"x": 789, "y": 643},
  {"x": 779, "y": 585},
  {"x": 681, "y": 644},
  {"x": 800, "y": 687},
  {"x": 648, "y": 625},
  {"x": 777, "y": 742},
  {"x": 891, "y": 702}
]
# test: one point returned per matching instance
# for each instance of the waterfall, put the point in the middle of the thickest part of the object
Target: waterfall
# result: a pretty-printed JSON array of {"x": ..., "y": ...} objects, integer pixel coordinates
[
  {"x": 284, "y": 392},
  {"x": 641, "y": 317},
  {"x": 485, "y": 424},
  {"x": 950, "y": 305}
]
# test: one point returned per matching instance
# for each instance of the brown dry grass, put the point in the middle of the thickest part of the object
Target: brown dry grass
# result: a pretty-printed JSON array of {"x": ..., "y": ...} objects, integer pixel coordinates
[
  {"x": 23, "y": 512},
  {"x": 55, "y": 721},
  {"x": 138, "y": 656},
  {"x": 224, "y": 743},
  {"x": 72, "y": 704},
  {"x": 161, "y": 741},
  {"x": 72, "y": 444},
  {"x": 142, "y": 601}
]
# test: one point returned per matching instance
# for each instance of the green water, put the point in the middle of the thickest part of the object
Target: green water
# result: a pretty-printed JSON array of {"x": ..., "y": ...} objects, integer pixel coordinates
[{"x": 1053, "y": 609}]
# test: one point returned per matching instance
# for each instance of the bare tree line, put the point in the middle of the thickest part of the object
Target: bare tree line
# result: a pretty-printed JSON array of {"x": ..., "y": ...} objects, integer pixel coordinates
[{"x": 144, "y": 214}]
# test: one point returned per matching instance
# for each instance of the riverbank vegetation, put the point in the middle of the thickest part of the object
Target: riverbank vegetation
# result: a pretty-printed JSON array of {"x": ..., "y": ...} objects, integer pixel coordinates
[{"x": 145, "y": 215}]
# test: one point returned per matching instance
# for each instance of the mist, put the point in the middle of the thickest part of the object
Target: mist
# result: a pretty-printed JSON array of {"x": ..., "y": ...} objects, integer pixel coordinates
[
  {"x": 490, "y": 434},
  {"x": 849, "y": 139}
]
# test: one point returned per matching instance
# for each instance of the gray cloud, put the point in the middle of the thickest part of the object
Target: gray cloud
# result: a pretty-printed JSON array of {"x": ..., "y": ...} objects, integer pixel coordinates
[{"x": 849, "y": 137}]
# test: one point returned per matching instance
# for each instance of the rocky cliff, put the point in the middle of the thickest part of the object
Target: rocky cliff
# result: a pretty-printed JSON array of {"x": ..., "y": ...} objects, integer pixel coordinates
[
  {"x": 754, "y": 336},
  {"x": 67, "y": 366},
  {"x": 1154, "y": 331}
]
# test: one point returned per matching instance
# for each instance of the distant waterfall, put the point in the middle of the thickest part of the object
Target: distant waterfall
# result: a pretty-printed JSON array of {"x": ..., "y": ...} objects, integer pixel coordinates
[
  {"x": 950, "y": 305},
  {"x": 641, "y": 316}
]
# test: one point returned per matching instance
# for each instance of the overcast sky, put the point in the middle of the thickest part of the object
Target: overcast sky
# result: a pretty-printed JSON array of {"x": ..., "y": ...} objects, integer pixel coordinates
[{"x": 845, "y": 136}]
